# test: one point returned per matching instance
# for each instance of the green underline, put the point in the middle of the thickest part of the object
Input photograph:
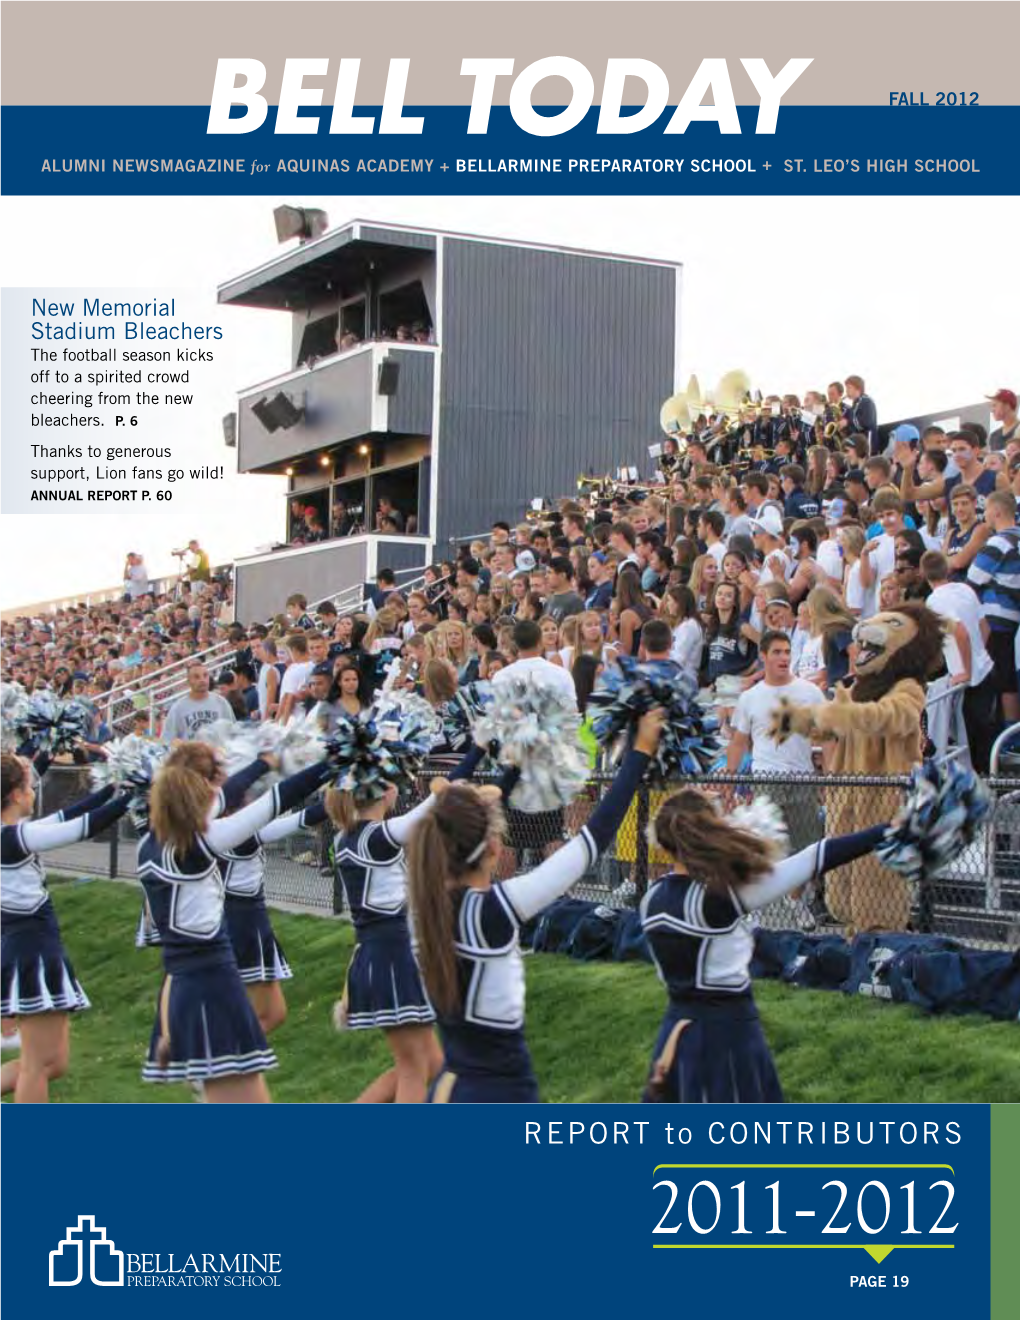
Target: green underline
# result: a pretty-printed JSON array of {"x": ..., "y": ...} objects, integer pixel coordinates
[
  {"x": 805, "y": 1166},
  {"x": 797, "y": 1246}
]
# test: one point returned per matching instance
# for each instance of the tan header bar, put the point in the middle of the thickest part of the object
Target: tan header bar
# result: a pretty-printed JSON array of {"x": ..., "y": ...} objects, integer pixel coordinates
[{"x": 76, "y": 52}]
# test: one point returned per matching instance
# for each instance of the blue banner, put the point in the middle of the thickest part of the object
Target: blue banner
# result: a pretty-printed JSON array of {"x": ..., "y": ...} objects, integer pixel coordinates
[
  {"x": 825, "y": 151},
  {"x": 550, "y": 1210}
]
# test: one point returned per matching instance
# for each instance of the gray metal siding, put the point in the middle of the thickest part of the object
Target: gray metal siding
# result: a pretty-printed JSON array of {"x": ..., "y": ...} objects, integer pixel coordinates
[
  {"x": 397, "y": 237},
  {"x": 261, "y": 589},
  {"x": 410, "y": 408},
  {"x": 552, "y": 363},
  {"x": 394, "y": 555},
  {"x": 340, "y": 393}
]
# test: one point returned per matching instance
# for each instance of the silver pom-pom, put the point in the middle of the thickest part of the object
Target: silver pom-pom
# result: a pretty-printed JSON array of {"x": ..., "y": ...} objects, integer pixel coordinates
[
  {"x": 43, "y": 722},
  {"x": 537, "y": 731},
  {"x": 131, "y": 763},
  {"x": 383, "y": 746},
  {"x": 940, "y": 816},
  {"x": 764, "y": 818},
  {"x": 12, "y": 699}
]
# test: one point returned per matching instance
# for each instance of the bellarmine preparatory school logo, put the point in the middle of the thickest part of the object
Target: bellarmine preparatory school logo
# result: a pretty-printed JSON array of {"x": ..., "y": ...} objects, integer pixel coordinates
[{"x": 105, "y": 1262}]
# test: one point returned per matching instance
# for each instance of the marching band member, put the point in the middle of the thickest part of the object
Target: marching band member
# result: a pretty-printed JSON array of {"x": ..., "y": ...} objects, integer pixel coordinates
[
  {"x": 40, "y": 988},
  {"x": 468, "y": 925}
]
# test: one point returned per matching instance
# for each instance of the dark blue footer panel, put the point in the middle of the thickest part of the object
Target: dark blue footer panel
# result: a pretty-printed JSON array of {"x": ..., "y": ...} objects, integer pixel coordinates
[{"x": 540, "y": 1210}]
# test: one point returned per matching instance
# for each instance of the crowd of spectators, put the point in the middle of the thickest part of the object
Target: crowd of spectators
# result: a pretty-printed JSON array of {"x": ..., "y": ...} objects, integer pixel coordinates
[{"x": 749, "y": 578}]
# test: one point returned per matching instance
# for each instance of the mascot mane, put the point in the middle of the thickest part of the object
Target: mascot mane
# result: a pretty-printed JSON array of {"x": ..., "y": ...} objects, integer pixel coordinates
[{"x": 919, "y": 660}]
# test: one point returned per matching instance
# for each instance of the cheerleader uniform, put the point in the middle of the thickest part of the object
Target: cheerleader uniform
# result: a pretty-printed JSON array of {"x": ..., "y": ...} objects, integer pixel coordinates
[
  {"x": 37, "y": 976},
  {"x": 384, "y": 987},
  {"x": 711, "y": 1047},
  {"x": 204, "y": 1019},
  {"x": 485, "y": 1055},
  {"x": 256, "y": 948},
  {"x": 228, "y": 798}
]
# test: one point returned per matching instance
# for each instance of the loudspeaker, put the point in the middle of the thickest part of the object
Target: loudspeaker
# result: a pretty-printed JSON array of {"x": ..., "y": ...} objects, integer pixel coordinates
[
  {"x": 230, "y": 430},
  {"x": 389, "y": 375}
]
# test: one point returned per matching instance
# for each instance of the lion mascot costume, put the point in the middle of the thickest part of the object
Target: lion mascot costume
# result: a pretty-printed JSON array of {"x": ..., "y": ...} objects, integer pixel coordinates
[{"x": 877, "y": 730}]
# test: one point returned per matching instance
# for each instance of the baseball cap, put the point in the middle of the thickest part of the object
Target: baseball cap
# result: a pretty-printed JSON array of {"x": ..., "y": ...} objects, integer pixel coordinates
[
  {"x": 855, "y": 474},
  {"x": 769, "y": 521},
  {"x": 1002, "y": 396},
  {"x": 905, "y": 433},
  {"x": 323, "y": 669}
]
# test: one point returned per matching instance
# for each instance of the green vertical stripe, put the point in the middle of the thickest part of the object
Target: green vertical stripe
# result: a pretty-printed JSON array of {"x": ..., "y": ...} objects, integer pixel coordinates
[{"x": 1005, "y": 1211}]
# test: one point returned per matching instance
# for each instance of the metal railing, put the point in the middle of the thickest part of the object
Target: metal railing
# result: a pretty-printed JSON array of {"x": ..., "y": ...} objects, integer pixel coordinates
[{"x": 976, "y": 901}]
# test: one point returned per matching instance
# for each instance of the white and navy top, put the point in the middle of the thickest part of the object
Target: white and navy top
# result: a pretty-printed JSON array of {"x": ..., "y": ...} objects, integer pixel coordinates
[
  {"x": 23, "y": 892},
  {"x": 486, "y": 1035},
  {"x": 186, "y": 893},
  {"x": 702, "y": 938},
  {"x": 244, "y": 868},
  {"x": 370, "y": 860}
]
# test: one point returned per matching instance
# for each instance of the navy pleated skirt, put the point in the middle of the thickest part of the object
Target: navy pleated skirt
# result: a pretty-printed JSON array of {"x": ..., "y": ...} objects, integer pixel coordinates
[
  {"x": 384, "y": 987},
  {"x": 256, "y": 948},
  {"x": 477, "y": 1089},
  {"x": 712, "y": 1055},
  {"x": 36, "y": 975},
  {"x": 147, "y": 934},
  {"x": 205, "y": 1029}
]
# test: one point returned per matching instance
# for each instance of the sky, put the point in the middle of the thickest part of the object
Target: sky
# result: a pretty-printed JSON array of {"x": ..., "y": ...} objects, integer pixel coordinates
[{"x": 913, "y": 294}]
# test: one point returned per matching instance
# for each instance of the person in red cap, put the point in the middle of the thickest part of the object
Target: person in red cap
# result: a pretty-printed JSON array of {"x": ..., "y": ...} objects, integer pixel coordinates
[{"x": 1004, "y": 411}]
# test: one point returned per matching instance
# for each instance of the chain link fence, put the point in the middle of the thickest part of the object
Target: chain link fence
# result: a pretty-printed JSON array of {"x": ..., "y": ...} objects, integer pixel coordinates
[{"x": 976, "y": 901}]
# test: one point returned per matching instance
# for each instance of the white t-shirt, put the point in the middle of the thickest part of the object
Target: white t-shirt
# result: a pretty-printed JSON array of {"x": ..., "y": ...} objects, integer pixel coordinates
[
  {"x": 295, "y": 678},
  {"x": 753, "y": 716},
  {"x": 542, "y": 672},
  {"x": 883, "y": 556},
  {"x": 718, "y": 552},
  {"x": 136, "y": 583},
  {"x": 957, "y": 601},
  {"x": 688, "y": 642},
  {"x": 830, "y": 561},
  {"x": 811, "y": 658}
]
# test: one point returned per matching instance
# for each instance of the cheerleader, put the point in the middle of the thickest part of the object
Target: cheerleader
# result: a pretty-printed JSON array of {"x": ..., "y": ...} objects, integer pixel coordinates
[
  {"x": 206, "y": 1029},
  {"x": 697, "y": 921},
  {"x": 260, "y": 959},
  {"x": 468, "y": 925},
  {"x": 384, "y": 988},
  {"x": 39, "y": 986},
  {"x": 228, "y": 798}
]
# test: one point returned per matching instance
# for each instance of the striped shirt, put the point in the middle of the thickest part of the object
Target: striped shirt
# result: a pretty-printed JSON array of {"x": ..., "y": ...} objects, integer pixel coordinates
[{"x": 995, "y": 576}]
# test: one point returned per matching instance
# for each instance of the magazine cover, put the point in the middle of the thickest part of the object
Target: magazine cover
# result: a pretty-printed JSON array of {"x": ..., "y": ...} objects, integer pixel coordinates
[{"x": 510, "y": 643}]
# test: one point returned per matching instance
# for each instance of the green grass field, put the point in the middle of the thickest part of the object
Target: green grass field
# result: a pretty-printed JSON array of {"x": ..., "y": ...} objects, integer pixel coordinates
[{"x": 591, "y": 1026}]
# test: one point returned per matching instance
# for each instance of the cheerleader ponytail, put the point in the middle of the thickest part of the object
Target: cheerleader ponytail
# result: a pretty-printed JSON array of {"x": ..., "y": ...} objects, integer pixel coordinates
[
  {"x": 12, "y": 775},
  {"x": 341, "y": 809},
  {"x": 720, "y": 855},
  {"x": 182, "y": 795},
  {"x": 430, "y": 880},
  {"x": 447, "y": 845}
]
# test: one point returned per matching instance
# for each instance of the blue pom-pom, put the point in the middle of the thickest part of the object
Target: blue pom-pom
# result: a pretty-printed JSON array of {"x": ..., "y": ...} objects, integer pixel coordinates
[
  {"x": 941, "y": 812},
  {"x": 464, "y": 709},
  {"x": 383, "y": 746},
  {"x": 688, "y": 745}
]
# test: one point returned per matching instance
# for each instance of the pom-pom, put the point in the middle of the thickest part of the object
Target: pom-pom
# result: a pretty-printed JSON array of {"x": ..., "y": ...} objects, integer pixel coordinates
[
  {"x": 131, "y": 763},
  {"x": 688, "y": 744},
  {"x": 943, "y": 808},
  {"x": 382, "y": 746},
  {"x": 296, "y": 745},
  {"x": 464, "y": 709},
  {"x": 12, "y": 698},
  {"x": 43, "y": 722},
  {"x": 537, "y": 731},
  {"x": 764, "y": 818}
]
